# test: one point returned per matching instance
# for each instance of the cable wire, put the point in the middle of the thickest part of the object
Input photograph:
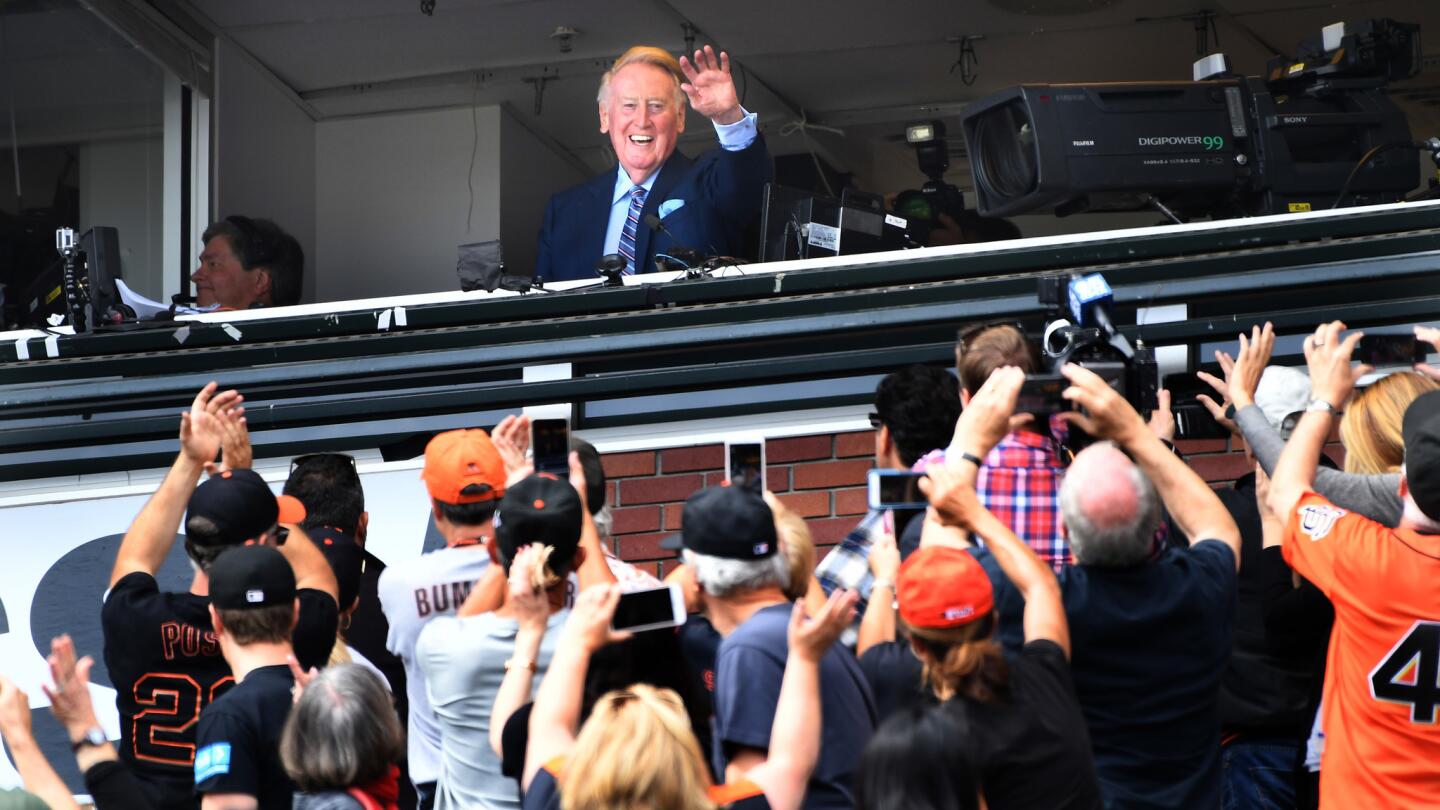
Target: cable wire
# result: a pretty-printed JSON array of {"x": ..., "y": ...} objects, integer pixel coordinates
[{"x": 1374, "y": 152}]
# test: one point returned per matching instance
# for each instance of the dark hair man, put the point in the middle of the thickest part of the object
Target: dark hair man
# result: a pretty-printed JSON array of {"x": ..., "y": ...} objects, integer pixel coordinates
[
  {"x": 915, "y": 412},
  {"x": 1380, "y": 705},
  {"x": 729, "y": 540},
  {"x": 706, "y": 203},
  {"x": 1149, "y": 627},
  {"x": 465, "y": 477},
  {"x": 246, "y": 263},
  {"x": 253, "y": 607},
  {"x": 464, "y": 659},
  {"x": 160, "y": 649}
]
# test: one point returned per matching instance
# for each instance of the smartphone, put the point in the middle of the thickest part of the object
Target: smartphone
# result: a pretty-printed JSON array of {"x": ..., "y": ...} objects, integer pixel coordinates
[
  {"x": 1192, "y": 418},
  {"x": 1391, "y": 350},
  {"x": 550, "y": 444},
  {"x": 745, "y": 465},
  {"x": 896, "y": 489},
  {"x": 650, "y": 610}
]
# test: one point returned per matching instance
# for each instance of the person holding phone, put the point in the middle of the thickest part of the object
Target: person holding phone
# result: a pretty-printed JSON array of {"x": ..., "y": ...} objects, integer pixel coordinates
[{"x": 636, "y": 750}]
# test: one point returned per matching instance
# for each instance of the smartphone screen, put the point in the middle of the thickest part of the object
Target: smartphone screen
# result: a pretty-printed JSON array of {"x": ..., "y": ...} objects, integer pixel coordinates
[
  {"x": 645, "y": 610},
  {"x": 550, "y": 443},
  {"x": 1390, "y": 350},
  {"x": 746, "y": 465},
  {"x": 896, "y": 489},
  {"x": 1041, "y": 394}
]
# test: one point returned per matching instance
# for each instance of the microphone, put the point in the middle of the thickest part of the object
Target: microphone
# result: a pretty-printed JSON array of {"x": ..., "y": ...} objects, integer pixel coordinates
[
  {"x": 687, "y": 257},
  {"x": 611, "y": 267}
]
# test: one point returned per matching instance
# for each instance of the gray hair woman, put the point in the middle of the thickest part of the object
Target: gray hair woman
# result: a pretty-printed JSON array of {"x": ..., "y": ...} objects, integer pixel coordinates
[{"x": 341, "y": 742}]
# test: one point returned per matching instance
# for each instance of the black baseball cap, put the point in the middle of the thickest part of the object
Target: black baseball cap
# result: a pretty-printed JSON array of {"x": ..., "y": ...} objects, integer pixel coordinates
[
  {"x": 726, "y": 521},
  {"x": 346, "y": 559},
  {"x": 539, "y": 509},
  {"x": 241, "y": 506},
  {"x": 249, "y": 577},
  {"x": 1421, "y": 432}
]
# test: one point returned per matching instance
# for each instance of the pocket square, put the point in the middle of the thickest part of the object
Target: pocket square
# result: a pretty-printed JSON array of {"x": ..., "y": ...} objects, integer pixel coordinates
[{"x": 670, "y": 206}]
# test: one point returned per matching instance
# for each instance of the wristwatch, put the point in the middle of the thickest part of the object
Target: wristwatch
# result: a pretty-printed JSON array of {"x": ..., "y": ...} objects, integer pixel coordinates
[
  {"x": 93, "y": 736},
  {"x": 1320, "y": 406}
]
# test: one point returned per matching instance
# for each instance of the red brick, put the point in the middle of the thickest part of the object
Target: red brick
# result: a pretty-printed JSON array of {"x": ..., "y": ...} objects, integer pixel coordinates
[
  {"x": 672, "y": 516},
  {"x": 665, "y": 567},
  {"x": 831, "y": 474},
  {"x": 636, "y": 519},
  {"x": 777, "y": 479},
  {"x": 624, "y": 465},
  {"x": 849, "y": 445},
  {"x": 1220, "y": 467},
  {"x": 800, "y": 448},
  {"x": 643, "y": 547},
  {"x": 610, "y": 492},
  {"x": 807, "y": 504},
  {"x": 1192, "y": 447},
  {"x": 852, "y": 501},
  {"x": 689, "y": 459},
  {"x": 665, "y": 489},
  {"x": 821, "y": 552},
  {"x": 828, "y": 531}
]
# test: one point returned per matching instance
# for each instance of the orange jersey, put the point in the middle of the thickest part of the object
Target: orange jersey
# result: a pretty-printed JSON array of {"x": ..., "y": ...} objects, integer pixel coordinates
[{"x": 1382, "y": 678}]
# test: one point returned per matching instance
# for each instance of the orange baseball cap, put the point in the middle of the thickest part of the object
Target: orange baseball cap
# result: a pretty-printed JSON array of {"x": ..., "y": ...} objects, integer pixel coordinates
[
  {"x": 463, "y": 466},
  {"x": 941, "y": 587}
]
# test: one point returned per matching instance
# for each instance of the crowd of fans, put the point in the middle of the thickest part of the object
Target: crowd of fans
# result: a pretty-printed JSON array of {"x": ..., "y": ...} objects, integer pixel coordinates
[{"x": 1091, "y": 629}]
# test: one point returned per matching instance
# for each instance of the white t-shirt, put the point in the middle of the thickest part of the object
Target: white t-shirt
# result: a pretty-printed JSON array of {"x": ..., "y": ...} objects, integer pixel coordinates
[{"x": 412, "y": 592}]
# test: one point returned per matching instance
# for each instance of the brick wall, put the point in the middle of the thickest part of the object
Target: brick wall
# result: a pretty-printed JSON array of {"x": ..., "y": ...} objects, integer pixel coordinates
[{"x": 822, "y": 478}]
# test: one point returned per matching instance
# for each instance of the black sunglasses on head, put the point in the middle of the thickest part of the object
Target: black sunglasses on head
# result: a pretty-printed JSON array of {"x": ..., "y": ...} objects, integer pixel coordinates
[{"x": 300, "y": 461}]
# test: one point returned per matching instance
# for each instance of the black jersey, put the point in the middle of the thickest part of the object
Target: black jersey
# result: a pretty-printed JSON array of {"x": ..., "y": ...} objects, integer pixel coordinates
[
  {"x": 165, "y": 664},
  {"x": 238, "y": 741}
]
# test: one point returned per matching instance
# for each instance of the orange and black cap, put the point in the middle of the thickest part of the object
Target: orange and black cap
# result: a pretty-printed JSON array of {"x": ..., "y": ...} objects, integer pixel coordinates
[
  {"x": 241, "y": 506},
  {"x": 463, "y": 466}
]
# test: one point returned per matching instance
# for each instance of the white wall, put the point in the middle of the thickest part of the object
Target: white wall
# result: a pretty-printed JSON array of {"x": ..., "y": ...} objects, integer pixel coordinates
[
  {"x": 121, "y": 186},
  {"x": 265, "y": 154},
  {"x": 392, "y": 198},
  {"x": 530, "y": 171}
]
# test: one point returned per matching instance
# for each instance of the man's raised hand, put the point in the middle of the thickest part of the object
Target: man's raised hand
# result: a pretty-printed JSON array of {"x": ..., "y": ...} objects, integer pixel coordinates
[
  {"x": 1327, "y": 356},
  {"x": 1107, "y": 414},
  {"x": 202, "y": 430},
  {"x": 710, "y": 86},
  {"x": 990, "y": 414}
]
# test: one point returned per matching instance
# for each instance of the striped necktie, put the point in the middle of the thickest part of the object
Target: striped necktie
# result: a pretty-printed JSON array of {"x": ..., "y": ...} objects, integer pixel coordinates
[{"x": 632, "y": 221}]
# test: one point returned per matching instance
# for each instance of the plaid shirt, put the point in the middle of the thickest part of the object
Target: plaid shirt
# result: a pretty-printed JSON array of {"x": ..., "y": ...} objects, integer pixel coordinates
[
  {"x": 1020, "y": 485},
  {"x": 848, "y": 564}
]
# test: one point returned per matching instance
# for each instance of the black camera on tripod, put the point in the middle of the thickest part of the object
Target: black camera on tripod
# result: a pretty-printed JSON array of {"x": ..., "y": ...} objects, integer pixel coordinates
[{"x": 1081, "y": 330}]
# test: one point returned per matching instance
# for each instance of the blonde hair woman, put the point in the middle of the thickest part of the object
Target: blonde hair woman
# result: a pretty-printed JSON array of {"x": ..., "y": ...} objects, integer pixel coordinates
[
  {"x": 1370, "y": 429},
  {"x": 636, "y": 752}
]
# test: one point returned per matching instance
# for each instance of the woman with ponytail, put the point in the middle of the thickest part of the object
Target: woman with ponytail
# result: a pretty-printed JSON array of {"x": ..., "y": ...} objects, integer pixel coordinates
[{"x": 1027, "y": 739}]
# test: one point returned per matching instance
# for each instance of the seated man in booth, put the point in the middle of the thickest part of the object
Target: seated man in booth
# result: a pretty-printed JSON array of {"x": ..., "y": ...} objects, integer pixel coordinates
[
  {"x": 248, "y": 263},
  {"x": 704, "y": 204}
]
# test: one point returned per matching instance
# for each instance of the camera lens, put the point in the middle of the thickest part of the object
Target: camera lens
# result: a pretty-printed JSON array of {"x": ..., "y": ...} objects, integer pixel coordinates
[{"x": 1007, "y": 162}]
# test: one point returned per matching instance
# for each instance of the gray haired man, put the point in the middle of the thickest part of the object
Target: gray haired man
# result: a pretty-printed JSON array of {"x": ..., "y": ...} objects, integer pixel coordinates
[{"x": 729, "y": 541}]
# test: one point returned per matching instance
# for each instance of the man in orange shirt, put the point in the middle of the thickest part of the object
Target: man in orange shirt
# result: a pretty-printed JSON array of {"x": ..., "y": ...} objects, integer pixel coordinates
[{"x": 1382, "y": 682}]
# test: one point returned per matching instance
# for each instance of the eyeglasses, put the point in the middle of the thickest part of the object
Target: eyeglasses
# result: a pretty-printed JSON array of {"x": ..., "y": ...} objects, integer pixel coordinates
[
  {"x": 309, "y": 458},
  {"x": 875, "y": 421},
  {"x": 969, "y": 333}
]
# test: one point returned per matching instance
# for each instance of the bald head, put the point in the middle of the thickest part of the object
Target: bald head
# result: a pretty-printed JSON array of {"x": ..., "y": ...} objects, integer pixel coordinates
[{"x": 1109, "y": 507}]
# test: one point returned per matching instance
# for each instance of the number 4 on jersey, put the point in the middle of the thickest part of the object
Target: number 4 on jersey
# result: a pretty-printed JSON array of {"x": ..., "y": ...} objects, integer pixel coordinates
[{"x": 1410, "y": 674}]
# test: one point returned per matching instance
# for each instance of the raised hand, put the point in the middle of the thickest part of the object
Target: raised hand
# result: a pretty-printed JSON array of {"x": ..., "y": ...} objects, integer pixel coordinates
[
  {"x": 589, "y": 624},
  {"x": 529, "y": 603},
  {"x": 512, "y": 439},
  {"x": 201, "y": 428},
  {"x": 810, "y": 639},
  {"x": 302, "y": 677},
  {"x": 70, "y": 697},
  {"x": 952, "y": 498},
  {"x": 1108, "y": 415},
  {"x": 710, "y": 87},
  {"x": 1332, "y": 377},
  {"x": 1430, "y": 335},
  {"x": 990, "y": 414},
  {"x": 235, "y": 450},
  {"x": 1162, "y": 419},
  {"x": 884, "y": 557}
]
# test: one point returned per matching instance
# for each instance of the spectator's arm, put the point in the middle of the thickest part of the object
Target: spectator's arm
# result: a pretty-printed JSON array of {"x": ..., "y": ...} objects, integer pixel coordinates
[
  {"x": 555, "y": 718},
  {"x": 35, "y": 772},
  {"x": 488, "y": 594},
  {"x": 1192, "y": 504},
  {"x": 532, "y": 610},
  {"x": 150, "y": 537},
  {"x": 878, "y": 624},
  {"x": 312, "y": 570},
  {"x": 70, "y": 701},
  {"x": 785, "y": 773},
  {"x": 229, "y": 801},
  {"x": 1331, "y": 381}
]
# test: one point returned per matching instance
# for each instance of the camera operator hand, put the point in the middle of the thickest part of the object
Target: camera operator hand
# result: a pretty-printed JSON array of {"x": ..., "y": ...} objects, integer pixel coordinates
[
  {"x": 990, "y": 414},
  {"x": 1107, "y": 414}
]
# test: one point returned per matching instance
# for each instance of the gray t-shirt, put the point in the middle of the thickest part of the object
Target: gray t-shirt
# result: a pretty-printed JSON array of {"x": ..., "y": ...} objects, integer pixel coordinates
[{"x": 463, "y": 663}]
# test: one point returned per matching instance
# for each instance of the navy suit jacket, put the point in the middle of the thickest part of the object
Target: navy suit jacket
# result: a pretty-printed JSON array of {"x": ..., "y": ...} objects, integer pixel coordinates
[{"x": 722, "y": 192}]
